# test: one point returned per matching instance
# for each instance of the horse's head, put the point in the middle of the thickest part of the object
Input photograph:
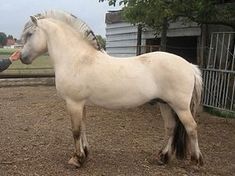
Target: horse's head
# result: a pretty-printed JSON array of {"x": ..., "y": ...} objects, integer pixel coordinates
[{"x": 34, "y": 40}]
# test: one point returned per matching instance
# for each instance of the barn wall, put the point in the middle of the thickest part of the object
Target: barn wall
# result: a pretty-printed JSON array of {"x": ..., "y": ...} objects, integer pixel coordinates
[{"x": 121, "y": 37}]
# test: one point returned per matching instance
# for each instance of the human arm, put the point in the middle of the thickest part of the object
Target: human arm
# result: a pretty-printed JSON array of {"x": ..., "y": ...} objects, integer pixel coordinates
[{"x": 5, "y": 63}]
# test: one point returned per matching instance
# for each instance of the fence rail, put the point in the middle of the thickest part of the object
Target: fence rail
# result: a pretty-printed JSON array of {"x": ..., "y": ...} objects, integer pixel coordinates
[
  {"x": 27, "y": 72},
  {"x": 219, "y": 86}
]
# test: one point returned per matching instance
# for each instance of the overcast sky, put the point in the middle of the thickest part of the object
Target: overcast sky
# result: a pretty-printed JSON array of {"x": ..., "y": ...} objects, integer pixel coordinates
[{"x": 15, "y": 13}]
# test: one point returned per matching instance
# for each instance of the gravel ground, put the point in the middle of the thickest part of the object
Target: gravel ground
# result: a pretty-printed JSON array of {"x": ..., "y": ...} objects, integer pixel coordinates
[{"x": 36, "y": 139}]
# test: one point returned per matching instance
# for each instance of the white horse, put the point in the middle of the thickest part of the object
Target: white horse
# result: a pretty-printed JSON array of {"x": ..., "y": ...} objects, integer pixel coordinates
[{"x": 85, "y": 75}]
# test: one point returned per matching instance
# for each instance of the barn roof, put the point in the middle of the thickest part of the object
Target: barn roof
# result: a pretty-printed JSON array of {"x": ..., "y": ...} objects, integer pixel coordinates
[{"x": 113, "y": 17}]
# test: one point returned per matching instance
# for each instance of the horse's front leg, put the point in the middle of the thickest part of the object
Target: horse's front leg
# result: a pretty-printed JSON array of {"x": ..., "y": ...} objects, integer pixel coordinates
[
  {"x": 83, "y": 133},
  {"x": 76, "y": 111}
]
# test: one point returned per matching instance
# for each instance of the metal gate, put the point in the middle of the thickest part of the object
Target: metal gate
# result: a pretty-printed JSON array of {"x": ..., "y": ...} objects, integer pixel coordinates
[{"x": 219, "y": 74}]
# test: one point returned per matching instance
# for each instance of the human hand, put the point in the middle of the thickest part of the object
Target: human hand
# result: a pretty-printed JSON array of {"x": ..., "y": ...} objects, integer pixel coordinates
[{"x": 15, "y": 56}]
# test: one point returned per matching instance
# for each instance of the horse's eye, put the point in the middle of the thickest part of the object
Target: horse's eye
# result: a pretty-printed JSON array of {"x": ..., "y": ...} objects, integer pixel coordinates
[{"x": 29, "y": 35}]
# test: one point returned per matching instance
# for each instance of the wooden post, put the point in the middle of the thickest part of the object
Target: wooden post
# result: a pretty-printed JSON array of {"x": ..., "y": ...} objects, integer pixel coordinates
[
  {"x": 201, "y": 59},
  {"x": 164, "y": 35},
  {"x": 139, "y": 38}
]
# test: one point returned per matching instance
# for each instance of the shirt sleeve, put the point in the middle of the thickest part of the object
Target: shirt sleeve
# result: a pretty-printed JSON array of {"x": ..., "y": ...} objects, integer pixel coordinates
[{"x": 4, "y": 64}]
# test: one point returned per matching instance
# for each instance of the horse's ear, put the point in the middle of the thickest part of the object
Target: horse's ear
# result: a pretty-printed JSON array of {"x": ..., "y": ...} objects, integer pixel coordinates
[{"x": 34, "y": 20}]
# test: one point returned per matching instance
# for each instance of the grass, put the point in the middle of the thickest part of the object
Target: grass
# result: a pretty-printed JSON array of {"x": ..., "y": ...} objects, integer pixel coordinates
[
  {"x": 6, "y": 51},
  {"x": 221, "y": 113},
  {"x": 40, "y": 66}
]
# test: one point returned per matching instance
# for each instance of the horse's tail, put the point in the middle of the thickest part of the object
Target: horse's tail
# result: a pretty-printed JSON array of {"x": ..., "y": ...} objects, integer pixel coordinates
[
  {"x": 196, "y": 97},
  {"x": 180, "y": 138}
]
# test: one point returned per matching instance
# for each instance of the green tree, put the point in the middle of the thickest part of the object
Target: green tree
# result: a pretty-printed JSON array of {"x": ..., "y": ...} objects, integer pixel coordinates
[
  {"x": 2, "y": 39},
  {"x": 209, "y": 12},
  {"x": 101, "y": 41},
  {"x": 10, "y": 37},
  {"x": 157, "y": 14}
]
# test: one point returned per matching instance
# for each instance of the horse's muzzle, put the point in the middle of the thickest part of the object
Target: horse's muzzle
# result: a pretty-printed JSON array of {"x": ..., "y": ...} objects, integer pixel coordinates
[{"x": 25, "y": 60}]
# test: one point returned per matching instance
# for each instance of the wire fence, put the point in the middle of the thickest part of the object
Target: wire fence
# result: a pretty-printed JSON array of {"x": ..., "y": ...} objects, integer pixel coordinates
[{"x": 219, "y": 74}]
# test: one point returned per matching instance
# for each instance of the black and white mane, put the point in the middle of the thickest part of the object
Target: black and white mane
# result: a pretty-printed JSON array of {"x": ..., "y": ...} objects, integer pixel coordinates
[{"x": 68, "y": 18}]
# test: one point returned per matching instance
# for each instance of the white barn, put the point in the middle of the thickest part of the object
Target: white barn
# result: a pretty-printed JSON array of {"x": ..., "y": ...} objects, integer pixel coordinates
[{"x": 121, "y": 38}]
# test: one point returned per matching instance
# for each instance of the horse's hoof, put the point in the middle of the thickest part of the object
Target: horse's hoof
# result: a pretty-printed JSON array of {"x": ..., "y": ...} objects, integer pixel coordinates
[
  {"x": 77, "y": 161},
  {"x": 73, "y": 161},
  {"x": 163, "y": 158},
  {"x": 197, "y": 160}
]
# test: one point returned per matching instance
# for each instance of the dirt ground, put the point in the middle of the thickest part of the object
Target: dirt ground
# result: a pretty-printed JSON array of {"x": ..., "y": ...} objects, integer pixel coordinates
[{"x": 36, "y": 139}]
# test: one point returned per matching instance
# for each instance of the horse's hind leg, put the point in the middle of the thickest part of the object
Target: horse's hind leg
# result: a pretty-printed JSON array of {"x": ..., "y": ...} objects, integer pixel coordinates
[
  {"x": 76, "y": 111},
  {"x": 169, "y": 123},
  {"x": 185, "y": 116}
]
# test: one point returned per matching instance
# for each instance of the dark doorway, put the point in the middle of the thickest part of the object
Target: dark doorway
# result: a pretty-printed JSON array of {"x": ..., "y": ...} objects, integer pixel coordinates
[{"x": 185, "y": 47}]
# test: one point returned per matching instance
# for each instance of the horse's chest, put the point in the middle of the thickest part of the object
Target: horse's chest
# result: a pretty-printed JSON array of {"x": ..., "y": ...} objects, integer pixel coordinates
[{"x": 70, "y": 88}]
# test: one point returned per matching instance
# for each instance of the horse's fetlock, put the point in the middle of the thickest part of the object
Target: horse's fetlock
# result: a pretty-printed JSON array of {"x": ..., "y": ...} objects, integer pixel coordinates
[
  {"x": 77, "y": 134},
  {"x": 86, "y": 151}
]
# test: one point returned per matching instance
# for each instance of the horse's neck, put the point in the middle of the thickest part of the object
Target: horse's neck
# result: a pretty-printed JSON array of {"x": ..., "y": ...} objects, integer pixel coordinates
[{"x": 65, "y": 46}]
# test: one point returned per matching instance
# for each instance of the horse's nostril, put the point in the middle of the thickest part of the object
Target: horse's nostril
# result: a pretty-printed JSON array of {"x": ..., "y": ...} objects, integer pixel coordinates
[
  {"x": 25, "y": 59},
  {"x": 20, "y": 55}
]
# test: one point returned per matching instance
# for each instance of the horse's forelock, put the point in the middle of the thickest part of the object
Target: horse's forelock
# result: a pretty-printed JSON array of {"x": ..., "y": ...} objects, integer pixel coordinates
[{"x": 29, "y": 27}]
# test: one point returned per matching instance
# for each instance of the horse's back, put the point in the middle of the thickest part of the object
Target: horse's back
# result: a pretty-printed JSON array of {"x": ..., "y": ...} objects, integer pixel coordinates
[
  {"x": 168, "y": 71},
  {"x": 164, "y": 64},
  {"x": 164, "y": 58}
]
